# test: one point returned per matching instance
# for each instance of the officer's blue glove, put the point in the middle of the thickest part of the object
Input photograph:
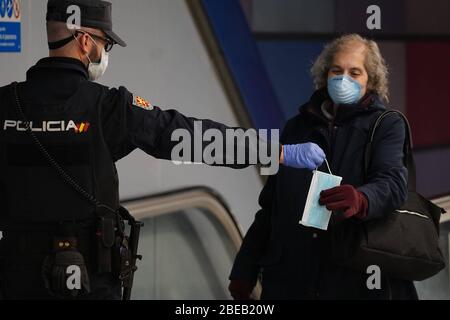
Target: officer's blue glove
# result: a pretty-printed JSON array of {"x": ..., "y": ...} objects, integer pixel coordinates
[{"x": 303, "y": 156}]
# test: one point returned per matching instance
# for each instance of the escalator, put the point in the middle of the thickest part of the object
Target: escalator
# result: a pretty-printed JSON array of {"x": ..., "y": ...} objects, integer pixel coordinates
[{"x": 189, "y": 243}]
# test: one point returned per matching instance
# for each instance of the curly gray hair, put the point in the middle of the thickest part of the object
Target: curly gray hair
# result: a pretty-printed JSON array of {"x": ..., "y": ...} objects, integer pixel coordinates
[{"x": 374, "y": 63}]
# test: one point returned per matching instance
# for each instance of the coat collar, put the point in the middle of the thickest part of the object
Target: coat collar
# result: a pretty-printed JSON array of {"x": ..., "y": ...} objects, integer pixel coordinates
[
  {"x": 71, "y": 66},
  {"x": 313, "y": 108},
  {"x": 53, "y": 80}
]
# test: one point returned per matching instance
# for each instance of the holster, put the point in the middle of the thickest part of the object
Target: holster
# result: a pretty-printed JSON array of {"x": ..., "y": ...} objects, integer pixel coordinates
[
  {"x": 105, "y": 242},
  {"x": 122, "y": 261},
  {"x": 109, "y": 228}
]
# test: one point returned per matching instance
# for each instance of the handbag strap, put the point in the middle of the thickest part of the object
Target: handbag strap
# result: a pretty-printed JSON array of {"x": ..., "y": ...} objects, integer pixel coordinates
[
  {"x": 60, "y": 171},
  {"x": 407, "y": 148}
]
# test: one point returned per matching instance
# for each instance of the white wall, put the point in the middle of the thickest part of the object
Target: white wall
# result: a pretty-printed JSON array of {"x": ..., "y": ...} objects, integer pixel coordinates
[{"x": 165, "y": 62}]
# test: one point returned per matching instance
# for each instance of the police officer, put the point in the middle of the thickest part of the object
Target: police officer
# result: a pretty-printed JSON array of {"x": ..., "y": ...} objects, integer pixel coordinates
[{"x": 61, "y": 135}]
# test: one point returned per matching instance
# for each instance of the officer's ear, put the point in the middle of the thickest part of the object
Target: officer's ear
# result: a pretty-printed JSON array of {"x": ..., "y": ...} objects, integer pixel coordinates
[{"x": 84, "y": 42}]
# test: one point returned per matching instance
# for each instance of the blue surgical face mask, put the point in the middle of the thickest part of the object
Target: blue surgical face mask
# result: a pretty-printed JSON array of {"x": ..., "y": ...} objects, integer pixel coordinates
[
  {"x": 314, "y": 214},
  {"x": 344, "y": 90}
]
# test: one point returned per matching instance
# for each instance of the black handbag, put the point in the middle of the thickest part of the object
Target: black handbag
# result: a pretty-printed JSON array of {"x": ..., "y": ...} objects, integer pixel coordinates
[{"x": 405, "y": 242}]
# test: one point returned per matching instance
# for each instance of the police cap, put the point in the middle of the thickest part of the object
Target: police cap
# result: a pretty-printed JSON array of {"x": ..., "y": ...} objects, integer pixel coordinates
[{"x": 94, "y": 14}]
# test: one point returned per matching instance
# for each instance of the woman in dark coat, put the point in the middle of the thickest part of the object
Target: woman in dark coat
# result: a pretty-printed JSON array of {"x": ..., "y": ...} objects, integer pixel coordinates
[{"x": 294, "y": 260}]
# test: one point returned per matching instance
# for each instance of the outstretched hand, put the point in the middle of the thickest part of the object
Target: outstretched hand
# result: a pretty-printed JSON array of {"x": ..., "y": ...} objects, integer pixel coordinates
[{"x": 303, "y": 156}]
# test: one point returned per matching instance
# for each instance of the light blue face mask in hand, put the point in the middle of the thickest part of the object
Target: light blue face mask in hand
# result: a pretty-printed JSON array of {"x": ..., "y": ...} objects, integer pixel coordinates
[{"x": 315, "y": 215}]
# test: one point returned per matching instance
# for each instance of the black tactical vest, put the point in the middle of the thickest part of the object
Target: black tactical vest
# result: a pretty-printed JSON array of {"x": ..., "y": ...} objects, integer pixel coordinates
[{"x": 31, "y": 191}]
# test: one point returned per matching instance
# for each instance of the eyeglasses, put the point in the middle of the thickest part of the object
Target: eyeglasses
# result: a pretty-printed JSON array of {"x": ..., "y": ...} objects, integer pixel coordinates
[{"x": 109, "y": 44}]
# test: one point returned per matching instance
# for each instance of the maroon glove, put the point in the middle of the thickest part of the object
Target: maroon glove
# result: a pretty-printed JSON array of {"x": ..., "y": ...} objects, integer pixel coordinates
[
  {"x": 241, "y": 289},
  {"x": 347, "y": 199}
]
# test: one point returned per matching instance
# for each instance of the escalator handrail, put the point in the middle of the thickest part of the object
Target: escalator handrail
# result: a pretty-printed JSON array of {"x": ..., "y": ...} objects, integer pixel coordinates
[
  {"x": 235, "y": 233},
  {"x": 443, "y": 202},
  {"x": 213, "y": 194}
]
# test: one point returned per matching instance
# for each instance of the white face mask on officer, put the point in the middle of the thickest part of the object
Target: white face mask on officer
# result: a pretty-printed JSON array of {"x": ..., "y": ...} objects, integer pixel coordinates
[{"x": 97, "y": 69}]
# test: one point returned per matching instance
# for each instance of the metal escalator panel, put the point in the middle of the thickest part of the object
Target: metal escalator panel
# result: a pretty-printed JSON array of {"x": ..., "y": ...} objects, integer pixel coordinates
[
  {"x": 438, "y": 287},
  {"x": 188, "y": 242},
  {"x": 444, "y": 202}
]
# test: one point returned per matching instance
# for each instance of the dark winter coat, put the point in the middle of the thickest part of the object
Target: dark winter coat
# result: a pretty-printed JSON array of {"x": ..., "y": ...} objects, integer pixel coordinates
[{"x": 296, "y": 260}]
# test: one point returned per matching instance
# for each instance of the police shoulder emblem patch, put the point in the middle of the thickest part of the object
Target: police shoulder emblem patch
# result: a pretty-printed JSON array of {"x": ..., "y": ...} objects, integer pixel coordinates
[{"x": 141, "y": 103}]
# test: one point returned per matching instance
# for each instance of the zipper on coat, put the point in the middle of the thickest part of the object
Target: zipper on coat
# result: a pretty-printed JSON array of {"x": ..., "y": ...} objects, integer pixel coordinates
[
  {"x": 332, "y": 133},
  {"x": 389, "y": 289}
]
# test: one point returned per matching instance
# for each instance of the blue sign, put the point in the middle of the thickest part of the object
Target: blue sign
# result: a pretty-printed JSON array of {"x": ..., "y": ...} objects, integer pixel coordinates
[
  {"x": 10, "y": 37},
  {"x": 10, "y": 26}
]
